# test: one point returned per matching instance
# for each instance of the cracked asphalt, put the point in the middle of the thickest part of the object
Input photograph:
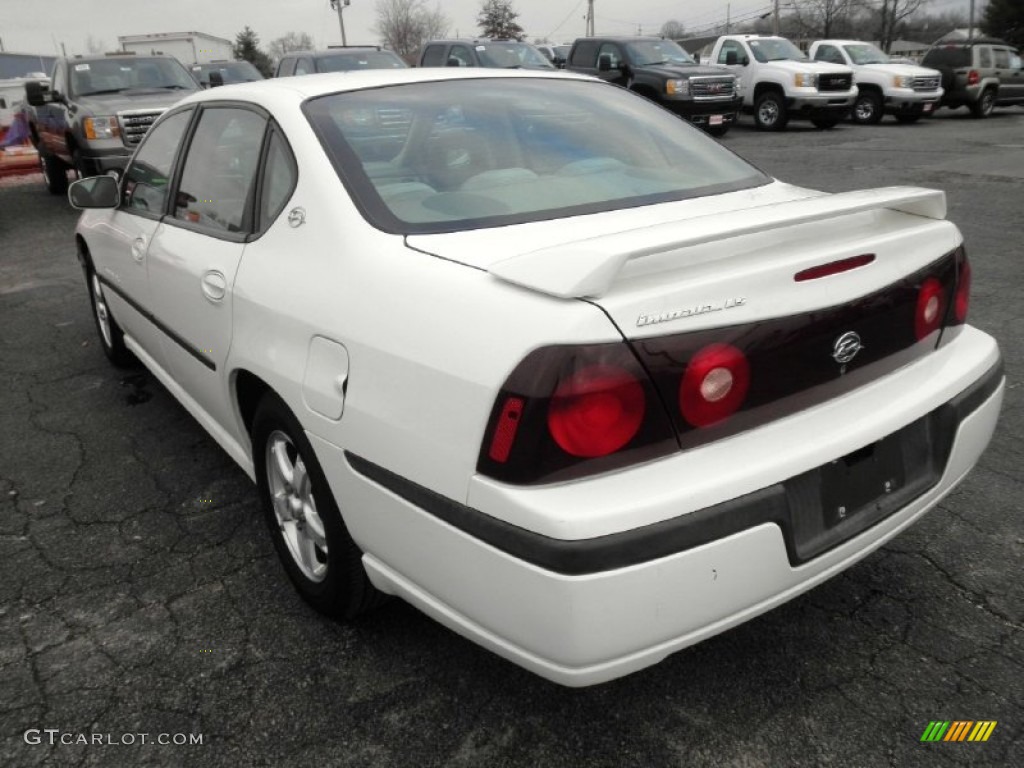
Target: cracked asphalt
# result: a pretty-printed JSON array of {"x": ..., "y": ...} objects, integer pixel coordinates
[{"x": 139, "y": 592}]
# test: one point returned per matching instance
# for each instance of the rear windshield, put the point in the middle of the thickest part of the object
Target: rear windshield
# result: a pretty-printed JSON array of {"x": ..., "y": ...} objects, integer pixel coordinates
[
  {"x": 346, "y": 62},
  {"x": 948, "y": 56},
  {"x": 464, "y": 154}
]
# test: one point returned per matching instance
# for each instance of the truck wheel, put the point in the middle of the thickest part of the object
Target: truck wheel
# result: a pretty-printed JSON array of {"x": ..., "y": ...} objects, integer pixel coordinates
[
  {"x": 983, "y": 106},
  {"x": 55, "y": 175},
  {"x": 770, "y": 111},
  {"x": 867, "y": 109}
]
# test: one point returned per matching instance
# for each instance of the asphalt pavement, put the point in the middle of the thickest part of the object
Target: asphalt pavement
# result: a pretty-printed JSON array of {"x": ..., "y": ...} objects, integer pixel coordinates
[{"x": 139, "y": 592}]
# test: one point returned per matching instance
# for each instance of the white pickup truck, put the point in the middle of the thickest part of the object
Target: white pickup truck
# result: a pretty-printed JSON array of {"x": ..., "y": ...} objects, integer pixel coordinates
[
  {"x": 780, "y": 82},
  {"x": 906, "y": 91}
]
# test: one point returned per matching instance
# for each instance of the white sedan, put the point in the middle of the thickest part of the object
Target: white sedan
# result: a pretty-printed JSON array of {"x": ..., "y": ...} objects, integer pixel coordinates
[{"x": 531, "y": 353}]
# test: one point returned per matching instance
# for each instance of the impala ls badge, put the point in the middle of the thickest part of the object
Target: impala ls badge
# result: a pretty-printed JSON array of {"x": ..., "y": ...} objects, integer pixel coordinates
[{"x": 846, "y": 348}]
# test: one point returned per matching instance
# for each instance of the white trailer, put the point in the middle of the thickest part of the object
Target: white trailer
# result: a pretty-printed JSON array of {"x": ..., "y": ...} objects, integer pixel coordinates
[{"x": 188, "y": 47}]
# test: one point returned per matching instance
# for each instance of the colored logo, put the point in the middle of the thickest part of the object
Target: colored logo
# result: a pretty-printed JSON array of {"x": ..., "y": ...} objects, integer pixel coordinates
[{"x": 958, "y": 730}]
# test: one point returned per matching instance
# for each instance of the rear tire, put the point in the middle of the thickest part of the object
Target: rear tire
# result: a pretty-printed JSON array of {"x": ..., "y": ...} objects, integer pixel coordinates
[
  {"x": 985, "y": 104},
  {"x": 310, "y": 537},
  {"x": 770, "y": 112},
  {"x": 55, "y": 174}
]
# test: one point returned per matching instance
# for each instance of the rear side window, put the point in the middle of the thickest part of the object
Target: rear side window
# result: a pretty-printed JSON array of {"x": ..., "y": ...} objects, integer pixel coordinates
[
  {"x": 984, "y": 57},
  {"x": 584, "y": 54},
  {"x": 1002, "y": 58},
  {"x": 279, "y": 177},
  {"x": 433, "y": 56},
  {"x": 948, "y": 56}
]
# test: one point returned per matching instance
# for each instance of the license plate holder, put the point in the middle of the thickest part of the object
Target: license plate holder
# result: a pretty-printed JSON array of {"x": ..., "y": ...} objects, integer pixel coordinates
[
  {"x": 927, "y": 107},
  {"x": 716, "y": 119},
  {"x": 861, "y": 480}
]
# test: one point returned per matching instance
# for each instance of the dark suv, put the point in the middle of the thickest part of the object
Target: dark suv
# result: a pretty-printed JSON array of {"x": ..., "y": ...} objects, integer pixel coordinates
[
  {"x": 981, "y": 74},
  {"x": 663, "y": 72},
  {"x": 343, "y": 58},
  {"x": 494, "y": 54}
]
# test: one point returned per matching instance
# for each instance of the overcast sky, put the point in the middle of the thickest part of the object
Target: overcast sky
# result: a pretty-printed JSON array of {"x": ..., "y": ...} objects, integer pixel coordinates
[{"x": 40, "y": 26}]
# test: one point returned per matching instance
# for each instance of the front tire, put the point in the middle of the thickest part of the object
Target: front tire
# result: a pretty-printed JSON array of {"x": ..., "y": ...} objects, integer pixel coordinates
[
  {"x": 770, "y": 112},
  {"x": 55, "y": 174},
  {"x": 310, "y": 537},
  {"x": 867, "y": 109},
  {"x": 110, "y": 333}
]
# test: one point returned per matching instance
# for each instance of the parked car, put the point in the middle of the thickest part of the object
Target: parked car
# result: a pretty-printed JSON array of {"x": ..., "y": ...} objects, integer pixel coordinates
[
  {"x": 499, "y": 54},
  {"x": 556, "y": 54},
  {"x": 908, "y": 92},
  {"x": 562, "y": 372},
  {"x": 779, "y": 82},
  {"x": 97, "y": 109},
  {"x": 338, "y": 59},
  {"x": 661, "y": 71},
  {"x": 981, "y": 74},
  {"x": 216, "y": 73}
]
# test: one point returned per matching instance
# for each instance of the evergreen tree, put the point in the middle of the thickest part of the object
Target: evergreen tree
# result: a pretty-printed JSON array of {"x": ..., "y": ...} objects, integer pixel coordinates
[
  {"x": 498, "y": 20},
  {"x": 247, "y": 48},
  {"x": 1005, "y": 19}
]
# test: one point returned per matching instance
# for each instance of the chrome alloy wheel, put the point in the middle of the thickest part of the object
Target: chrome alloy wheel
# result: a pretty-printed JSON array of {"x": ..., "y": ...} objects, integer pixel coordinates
[
  {"x": 768, "y": 112},
  {"x": 291, "y": 493},
  {"x": 99, "y": 303},
  {"x": 864, "y": 110}
]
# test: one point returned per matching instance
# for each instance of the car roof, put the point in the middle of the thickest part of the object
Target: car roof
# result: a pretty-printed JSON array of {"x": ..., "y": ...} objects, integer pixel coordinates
[
  {"x": 115, "y": 57},
  {"x": 335, "y": 51},
  {"x": 302, "y": 87}
]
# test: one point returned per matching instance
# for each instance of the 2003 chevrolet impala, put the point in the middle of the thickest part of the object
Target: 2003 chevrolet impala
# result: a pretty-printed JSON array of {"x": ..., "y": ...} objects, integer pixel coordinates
[{"x": 533, "y": 354}]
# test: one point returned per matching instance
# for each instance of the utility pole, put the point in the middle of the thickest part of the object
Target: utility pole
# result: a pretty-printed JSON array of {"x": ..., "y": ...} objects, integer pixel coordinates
[
  {"x": 775, "y": 18},
  {"x": 728, "y": 17},
  {"x": 590, "y": 18},
  {"x": 970, "y": 24},
  {"x": 340, "y": 5}
]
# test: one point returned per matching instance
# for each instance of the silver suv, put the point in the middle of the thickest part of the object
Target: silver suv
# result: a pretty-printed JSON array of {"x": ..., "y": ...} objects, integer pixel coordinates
[{"x": 981, "y": 74}]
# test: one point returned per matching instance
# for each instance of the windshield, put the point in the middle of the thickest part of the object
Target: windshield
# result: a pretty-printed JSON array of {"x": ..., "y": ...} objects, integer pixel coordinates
[
  {"x": 511, "y": 56},
  {"x": 346, "y": 62},
  {"x": 863, "y": 53},
  {"x": 776, "y": 49},
  {"x": 129, "y": 74},
  {"x": 230, "y": 71},
  {"x": 464, "y": 154},
  {"x": 658, "y": 52}
]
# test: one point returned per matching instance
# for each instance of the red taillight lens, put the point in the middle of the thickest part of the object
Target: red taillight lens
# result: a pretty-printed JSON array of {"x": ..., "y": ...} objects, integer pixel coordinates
[
  {"x": 505, "y": 433},
  {"x": 930, "y": 308},
  {"x": 714, "y": 385},
  {"x": 963, "y": 291},
  {"x": 973, "y": 77},
  {"x": 596, "y": 411}
]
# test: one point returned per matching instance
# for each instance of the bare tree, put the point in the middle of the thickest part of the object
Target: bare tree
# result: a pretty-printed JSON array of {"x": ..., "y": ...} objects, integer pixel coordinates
[
  {"x": 891, "y": 16},
  {"x": 291, "y": 41},
  {"x": 404, "y": 25},
  {"x": 672, "y": 29},
  {"x": 822, "y": 19}
]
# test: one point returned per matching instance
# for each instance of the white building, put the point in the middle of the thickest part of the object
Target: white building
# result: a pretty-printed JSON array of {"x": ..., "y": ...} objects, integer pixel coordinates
[{"x": 187, "y": 47}]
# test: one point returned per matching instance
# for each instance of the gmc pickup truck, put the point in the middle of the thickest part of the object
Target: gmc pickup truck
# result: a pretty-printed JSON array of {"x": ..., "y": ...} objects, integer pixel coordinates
[
  {"x": 905, "y": 91},
  {"x": 97, "y": 109},
  {"x": 780, "y": 83},
  {"x": 663, "y": 72}
]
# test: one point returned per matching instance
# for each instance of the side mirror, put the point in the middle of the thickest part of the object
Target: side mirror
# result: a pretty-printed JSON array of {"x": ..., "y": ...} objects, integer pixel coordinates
[
  {"x": 744, "y": 61},
  {"x": 604, "y": 62},
  {"x": 216, "y": 79},
  {"x": 453, "y": 62},
  {"x": 94, "y": 192},
  {"x": 38, "y": 94},
  {"x": 731, "y": 58}
]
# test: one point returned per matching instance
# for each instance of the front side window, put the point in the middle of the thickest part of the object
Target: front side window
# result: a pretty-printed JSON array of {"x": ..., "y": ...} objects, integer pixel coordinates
[
  {"x": 584, "y": 54},
  {"x": 303, "y": 67},
  {"x": 455, "y": 155},
  {"x": 144, "y": 188},
  {"x": 461, "y": 54},
  {"x": 220, "y": 169},
  {"x": 864, "y": 53},
  {"x": 731, "y": 46},
  {"x": 776, "y": 49}
]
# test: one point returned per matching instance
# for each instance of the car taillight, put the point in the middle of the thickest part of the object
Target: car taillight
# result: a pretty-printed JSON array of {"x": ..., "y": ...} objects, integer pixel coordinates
[
  {"x": 962, "y": 299},
  {"x": 930, "y": 308},
  {"x": 973, "y": 77},
  {"x": 596, "y": 411},
  {"x": 714, "y": 385}
]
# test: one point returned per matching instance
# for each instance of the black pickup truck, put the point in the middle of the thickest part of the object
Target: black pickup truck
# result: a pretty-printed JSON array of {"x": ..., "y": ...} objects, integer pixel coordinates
[
  {"x": 663, "y": 72},
  {"x": 97, "y": 109}
]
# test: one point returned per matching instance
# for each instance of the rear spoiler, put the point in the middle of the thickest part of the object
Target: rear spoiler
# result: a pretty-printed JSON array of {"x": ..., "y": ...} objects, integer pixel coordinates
[{"x": 589, "y": 267}]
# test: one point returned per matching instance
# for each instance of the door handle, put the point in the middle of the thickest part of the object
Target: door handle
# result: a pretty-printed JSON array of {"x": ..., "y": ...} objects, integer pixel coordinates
[
  {"x": 139, "y": 249},
  {"x": 215, "y": 285}
]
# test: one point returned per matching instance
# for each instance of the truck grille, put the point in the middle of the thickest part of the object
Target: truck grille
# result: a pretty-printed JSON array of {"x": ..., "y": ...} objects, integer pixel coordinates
[
  {"x": 135, "y": 123},
  {"x": 834, "y": 82},
  {"x": 925, "y": 83},
  {"x": 713, "y": 87}
]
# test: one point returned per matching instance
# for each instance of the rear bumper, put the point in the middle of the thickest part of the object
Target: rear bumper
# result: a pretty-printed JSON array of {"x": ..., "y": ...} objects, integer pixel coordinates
[{"x": 601, "y": 599}]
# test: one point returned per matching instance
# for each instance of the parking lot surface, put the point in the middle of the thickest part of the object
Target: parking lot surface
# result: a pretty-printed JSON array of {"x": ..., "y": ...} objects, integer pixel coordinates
[{"x": 139, "y": 592}]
